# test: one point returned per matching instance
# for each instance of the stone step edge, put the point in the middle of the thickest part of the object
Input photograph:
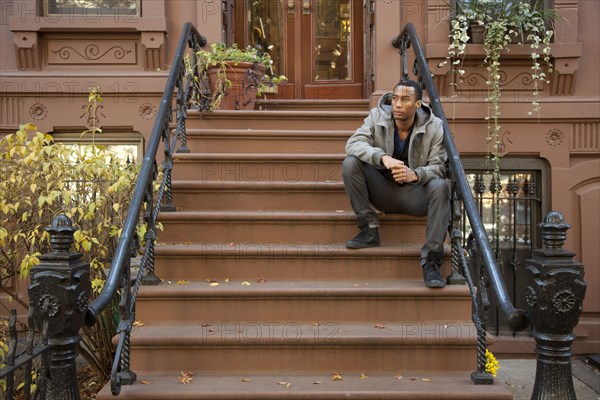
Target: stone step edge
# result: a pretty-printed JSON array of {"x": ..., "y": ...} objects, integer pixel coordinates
[
  {"x": 277, "y": 114},
  {"x": 400, "y": 385},
  {"x": 285, "y": 250},
  {"x": 280, "y": 216},
  {"x": 269, "y": 334},
  {"x": 262, "y": 158},
  {"x": 310, "y": 290},
  {"x": 233, "y": 133},
  {"x": 194, "y": 185}
]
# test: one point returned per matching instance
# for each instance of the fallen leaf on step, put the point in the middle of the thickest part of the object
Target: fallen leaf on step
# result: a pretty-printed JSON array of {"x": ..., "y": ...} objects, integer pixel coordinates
[
  {"x": 339, "y": 211},
  {"x": 412, "y": 378},
  {"x": 399, "y": 377},
  {"x": 213, "y": 283},
  {"x": 187, "y": 243},
  {"x": 426, "y": 380},
  {"x": 261, "y": 280},
  {"x": 245, "y": 283},
  {"x": 185, "y": 377},
  {"x": 286, "y": 384},
  {"x": 363, "y": 376},
  {"x": 182, "y": 282},
  {"x": 336, "y": 377},
  {"x": 246, "y": 380},
  {"x": 138, "y": 323},
  {"x": 145, "y": 383},
  {"x": 226, "y": 280},
  {"x": 317, "y": 383},
  {"x": 379, "y": 326},
  {"x": 315, "y": 324}
]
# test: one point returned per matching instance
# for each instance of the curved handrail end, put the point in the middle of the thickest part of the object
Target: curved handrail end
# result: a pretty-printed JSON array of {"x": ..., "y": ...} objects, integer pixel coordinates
[
  {"x": 518, "y": 320},
  {"x": 90, "y": 317}
]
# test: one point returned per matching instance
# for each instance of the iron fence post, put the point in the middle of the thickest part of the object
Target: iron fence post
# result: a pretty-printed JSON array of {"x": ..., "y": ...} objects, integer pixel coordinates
[
  {"x": 554, "y": 294},
  {"x": 59, "y": 290}
]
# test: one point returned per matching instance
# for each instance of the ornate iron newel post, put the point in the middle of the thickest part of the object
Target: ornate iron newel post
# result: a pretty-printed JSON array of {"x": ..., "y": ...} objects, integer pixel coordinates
[
  {"x": 555, "y": 291},
  {"x": 60, "y": 288}
]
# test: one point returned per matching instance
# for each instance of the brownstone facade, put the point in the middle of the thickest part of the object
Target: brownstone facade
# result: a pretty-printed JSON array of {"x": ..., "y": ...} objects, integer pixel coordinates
[{"x": 49, "y": 63}]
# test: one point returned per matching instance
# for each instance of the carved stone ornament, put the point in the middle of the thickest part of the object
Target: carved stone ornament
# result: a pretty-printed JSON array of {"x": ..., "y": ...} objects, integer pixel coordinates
[
  {"x": 554, "y": 137},
  {"x": 147, "y": 111},
  {"x": 38, "y": 111}
]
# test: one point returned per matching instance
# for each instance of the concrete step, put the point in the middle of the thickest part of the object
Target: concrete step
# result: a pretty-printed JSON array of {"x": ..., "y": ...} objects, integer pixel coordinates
[
  {"x": 264, "y": 119},
  {"x": 284, "y": 385},
  {"x": 325, "y": 347},
  {"x": 202, "y": 140},
  {"x": 282, "y": 227},
  {"x": 256, "y": 167},
  {"x": 272, "y": 196},
  {"x": 252, "y": 262},
  {"x": 302, "y": 301}
]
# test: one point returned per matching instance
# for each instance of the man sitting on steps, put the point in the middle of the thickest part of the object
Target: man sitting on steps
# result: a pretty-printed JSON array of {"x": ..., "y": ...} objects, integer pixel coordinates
[{"x": 396, "y": 162}]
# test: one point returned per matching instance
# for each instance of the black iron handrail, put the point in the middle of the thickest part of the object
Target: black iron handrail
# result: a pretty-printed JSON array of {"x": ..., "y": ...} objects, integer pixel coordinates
[
  {"x": 518, "y": 319},
  {"x": 145, "y": 205}
]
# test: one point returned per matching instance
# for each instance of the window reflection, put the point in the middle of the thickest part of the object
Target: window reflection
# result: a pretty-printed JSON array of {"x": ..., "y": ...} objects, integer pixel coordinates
[
  {"x": 332, "y": 40},
  {"x": 97, "y": 7},
  {"x": 118, "y": 153},
  {"x": 265, "y": 31}
]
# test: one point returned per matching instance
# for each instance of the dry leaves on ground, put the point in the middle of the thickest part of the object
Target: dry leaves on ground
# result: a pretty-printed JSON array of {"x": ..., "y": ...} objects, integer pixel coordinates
[{"x": 185, "y": 377}]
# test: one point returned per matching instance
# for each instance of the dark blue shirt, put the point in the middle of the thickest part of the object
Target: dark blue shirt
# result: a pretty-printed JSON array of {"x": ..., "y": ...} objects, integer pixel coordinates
[{"x": 401, "y": 146}]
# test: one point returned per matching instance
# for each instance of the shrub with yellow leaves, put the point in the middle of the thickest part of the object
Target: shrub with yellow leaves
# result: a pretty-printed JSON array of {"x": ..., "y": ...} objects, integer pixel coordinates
[{"x": 39, "y": 179}]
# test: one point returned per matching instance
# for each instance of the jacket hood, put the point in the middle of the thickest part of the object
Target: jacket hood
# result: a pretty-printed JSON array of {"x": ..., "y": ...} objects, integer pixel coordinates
[{"x": 424, "y": 113}]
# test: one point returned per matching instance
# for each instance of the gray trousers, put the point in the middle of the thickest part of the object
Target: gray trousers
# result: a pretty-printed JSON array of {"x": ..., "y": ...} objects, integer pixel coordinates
[{"x": 370, "y": 190}]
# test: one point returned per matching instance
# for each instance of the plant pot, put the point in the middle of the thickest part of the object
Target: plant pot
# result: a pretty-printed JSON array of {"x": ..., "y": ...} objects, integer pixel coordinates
[
  {"x": 476, "y": 33},
  {"x": 241, "y": 93}
]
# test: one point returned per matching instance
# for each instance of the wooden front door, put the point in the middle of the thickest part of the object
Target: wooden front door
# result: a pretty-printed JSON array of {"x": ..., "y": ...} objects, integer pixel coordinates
[{"x": 316, "y": 44}]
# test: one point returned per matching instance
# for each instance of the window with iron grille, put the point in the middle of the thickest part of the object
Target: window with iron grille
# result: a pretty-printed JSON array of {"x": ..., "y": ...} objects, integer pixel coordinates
[{"x": 510, "y": 212}]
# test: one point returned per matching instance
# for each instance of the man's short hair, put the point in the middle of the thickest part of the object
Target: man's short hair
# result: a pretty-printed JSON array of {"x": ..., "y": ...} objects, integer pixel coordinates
[{"x": 412, "y": 84}]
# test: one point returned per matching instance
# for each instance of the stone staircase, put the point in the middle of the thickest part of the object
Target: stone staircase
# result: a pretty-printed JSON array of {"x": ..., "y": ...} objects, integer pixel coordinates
[{"x": 261, "y": 300}]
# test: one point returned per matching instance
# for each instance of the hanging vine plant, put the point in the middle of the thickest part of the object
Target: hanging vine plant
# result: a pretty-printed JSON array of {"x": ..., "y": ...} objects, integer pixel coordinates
[{"x": 504, "y": 22}]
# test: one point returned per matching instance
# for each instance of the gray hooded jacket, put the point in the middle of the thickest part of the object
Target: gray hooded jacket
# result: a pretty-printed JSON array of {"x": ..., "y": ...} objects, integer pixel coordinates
[{"x": 375, "y": 138}]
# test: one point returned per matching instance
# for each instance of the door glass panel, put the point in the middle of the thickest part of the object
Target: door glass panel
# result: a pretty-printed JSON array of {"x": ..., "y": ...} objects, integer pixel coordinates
[
  {"x": 332, "y": 22},
  {"x": 265, "y": 30}
]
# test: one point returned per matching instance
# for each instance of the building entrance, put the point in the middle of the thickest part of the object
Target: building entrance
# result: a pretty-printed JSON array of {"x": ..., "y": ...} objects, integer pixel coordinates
[{"x": 316, "y": 44}]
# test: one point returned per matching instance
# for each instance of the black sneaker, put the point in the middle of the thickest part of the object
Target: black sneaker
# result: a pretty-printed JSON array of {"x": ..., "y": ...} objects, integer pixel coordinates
[
  {"x": 367, "y": 237},
  {"x": 432, "y": 276}
]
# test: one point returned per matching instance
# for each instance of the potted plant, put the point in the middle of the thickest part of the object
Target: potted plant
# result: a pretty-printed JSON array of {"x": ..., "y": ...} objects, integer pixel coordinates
[
  {"x": 501, "y": 23},
  {"x": 235, "y": 76}
]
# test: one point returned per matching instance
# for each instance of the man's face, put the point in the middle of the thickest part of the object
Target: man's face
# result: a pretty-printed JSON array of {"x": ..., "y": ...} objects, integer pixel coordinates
[{"x": 404, "y": 103}]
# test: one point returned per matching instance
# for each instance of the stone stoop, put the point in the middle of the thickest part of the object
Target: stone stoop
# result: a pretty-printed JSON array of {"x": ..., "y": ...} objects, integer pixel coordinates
[{"x": 259, "y": 297}]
